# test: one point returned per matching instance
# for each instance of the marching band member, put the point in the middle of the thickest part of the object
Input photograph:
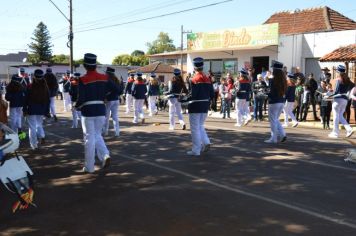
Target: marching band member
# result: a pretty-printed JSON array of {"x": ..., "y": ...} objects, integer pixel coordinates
[
  {"x": 15, "y": 94},
  {"x": 202, "y": 94},
  {"x": 139, "y": 91},
  {"x": 290, "y": 99},
  {"x": 153, "y": 93},
  {"x": 342, "y": 87},
  {"x": 36, "y": 106},
  {"x": 92, "y": 91},
  {"x": 243, "y": 88},
  {"x": 24, "y": 79},
  {"x": 112, "y": 104},
  {"x": 276, "y": 100},
  {"x": 52, "y": 84},
  {"x": 176, "y": 87},
  {"x": 128, "y": 91},
  {"x": 73, "y": 92},
  {"x": 66, "y": 98}
]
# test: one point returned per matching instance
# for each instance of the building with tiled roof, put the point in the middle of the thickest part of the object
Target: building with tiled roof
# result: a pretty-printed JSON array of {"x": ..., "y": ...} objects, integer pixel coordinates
[
  {"x": 321, "y": 19},
  {"x": 342, "y": 54},
  {"x": 162, "y": 71}
]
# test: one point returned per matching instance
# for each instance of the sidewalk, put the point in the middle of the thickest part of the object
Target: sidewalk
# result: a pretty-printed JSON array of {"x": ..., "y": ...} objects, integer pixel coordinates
[{"x": 309, "y": 123}]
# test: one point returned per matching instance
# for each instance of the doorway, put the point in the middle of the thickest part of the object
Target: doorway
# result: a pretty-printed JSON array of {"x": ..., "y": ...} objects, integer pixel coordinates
[{"x": 258, "y": 63}]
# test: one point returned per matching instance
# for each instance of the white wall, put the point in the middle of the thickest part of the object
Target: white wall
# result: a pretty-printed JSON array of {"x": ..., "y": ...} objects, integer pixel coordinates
[
  {"x": 242, "y": 56},
  {"x": 313, "y": 45}
]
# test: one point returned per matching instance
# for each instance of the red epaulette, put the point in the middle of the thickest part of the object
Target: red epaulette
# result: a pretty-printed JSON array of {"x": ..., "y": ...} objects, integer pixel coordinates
[
  {"x": 200, "y": 78},
  {"x": 92, "y": 77},
  {"x": 139, "y": 82},
  {"x": 244, "y": 81}
]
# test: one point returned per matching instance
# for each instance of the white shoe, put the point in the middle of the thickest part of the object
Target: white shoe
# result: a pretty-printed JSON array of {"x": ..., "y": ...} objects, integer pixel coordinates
[
  {"x": 171, "y": 128},
  {"x": 135, "y": 122},
  {"x": 117, "y": 134},
  {"x": 284, "y": 125},
  {"x": 191, "y": 153},
  {"x": 295, "y": 124},
  {"x": 246, "y": 121},
  {"x": 238, "y": 125},
  {"x": 349, "y": 133},
  {"x": 333, "y": 135},
  {"x": 106, "y": 161},
  {"x": 270, "y": 141},
  {"x": 85, "y": 170}
]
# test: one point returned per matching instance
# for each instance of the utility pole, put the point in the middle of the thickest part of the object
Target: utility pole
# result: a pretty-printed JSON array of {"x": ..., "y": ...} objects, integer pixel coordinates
[
  {"x": 181, "y": 45},
  {"x": 70, "y": 36}
]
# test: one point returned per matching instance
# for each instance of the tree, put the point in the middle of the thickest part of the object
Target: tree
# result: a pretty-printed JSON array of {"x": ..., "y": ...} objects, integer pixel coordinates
[
  {"x": 41, "y": 46},
  {"x": 137, "y": 53},
  {"x": 162, "y": 44},
  {"x": 60, "y": 59},
  {"x": 135, "y": 59}
]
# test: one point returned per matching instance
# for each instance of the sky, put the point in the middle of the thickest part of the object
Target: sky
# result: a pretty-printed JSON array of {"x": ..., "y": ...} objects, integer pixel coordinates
[{"x": 20, "y": 17}]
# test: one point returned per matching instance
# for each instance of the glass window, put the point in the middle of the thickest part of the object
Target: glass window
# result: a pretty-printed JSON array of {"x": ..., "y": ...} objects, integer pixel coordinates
[{"x": 230, "y": 66}]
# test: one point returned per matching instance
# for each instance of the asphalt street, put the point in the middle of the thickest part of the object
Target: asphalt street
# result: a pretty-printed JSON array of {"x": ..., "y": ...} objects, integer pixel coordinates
[{"x": 242, "y": 186}]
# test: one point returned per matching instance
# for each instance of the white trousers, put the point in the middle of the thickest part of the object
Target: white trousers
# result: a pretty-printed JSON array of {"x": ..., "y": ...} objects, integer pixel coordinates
[
  {"x": 52, "y": 106},
  {"x": 138, "y": 109},
  {"x": 93, "y": 141},
  {"x": 35, "y": 129},
  {"x": 66, "y": 102},
  {"x": 288, "y": 112},
  {"x": 175, "y": 108},
  {"x": 197, "y": 129},
  {"x": 274, "y": 111},
  {"x": 75, "y": 115},
  {"x": 338, "y": 108},
  {"x": 112, "y": 109},
  {"x": 240, "y": 107},
  {"x": 15, "y": 118},
  {"x": 152, "y": 104},
  {"x": 129, "y": 101},
  {"x": 247, "y": 114}
]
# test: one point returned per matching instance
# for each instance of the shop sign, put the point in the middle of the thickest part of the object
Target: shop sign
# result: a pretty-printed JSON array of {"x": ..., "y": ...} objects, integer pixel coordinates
[{"x": 246, "y": 37}]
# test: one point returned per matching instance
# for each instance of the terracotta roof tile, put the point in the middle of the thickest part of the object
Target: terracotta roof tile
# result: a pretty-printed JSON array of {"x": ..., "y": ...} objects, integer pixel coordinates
[
  {"x": 311, "y": 20},
  {"x": 157, "y": 67},
  {"x": 342, "y": 54}
]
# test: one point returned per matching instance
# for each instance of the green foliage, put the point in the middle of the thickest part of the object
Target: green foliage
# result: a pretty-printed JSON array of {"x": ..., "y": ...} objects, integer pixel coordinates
[
  {"x": 137, "y": 53},
  {"x": 60, "y": 59},
  {"x": 41, "y": 46},
  {"x": 162, "y": 44},
  {"x": 130, "y": 60}
]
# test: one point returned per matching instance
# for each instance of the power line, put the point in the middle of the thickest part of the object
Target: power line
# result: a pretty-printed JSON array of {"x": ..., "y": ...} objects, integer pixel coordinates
[
  {"x": 155, "y": 17},
  {"x": 90, "y": 24},
  {"x": 148, "y": 18}
]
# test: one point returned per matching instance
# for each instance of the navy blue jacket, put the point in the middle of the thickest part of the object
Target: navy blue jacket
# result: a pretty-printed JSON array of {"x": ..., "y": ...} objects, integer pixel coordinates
[
  {"x": 66, "y": 84},
  {"x": 273, "y": 96},
  {"x": 15, "y": 94},
  {"x": 202, "y": 89},
  {"x": 290, "y": 93},
  {"x": 341, "y": 89},
  {"x": 92, "y": 87},
  {"x": 174, "y": 89},
  {"x": 139, "y": 90},
  {"x": 153, "y": 90},
  {"x": 128, "y": 87},
  {"x": 243, "y": 89},
  {"x": 114, "y": 91},
  {"x": 32, "y": 107},
  {"x": 73, "y": 91}
]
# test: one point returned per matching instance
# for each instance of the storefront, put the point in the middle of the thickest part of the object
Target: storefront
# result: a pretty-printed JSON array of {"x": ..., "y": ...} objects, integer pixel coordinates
[{"x": 230, "y": 50}]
